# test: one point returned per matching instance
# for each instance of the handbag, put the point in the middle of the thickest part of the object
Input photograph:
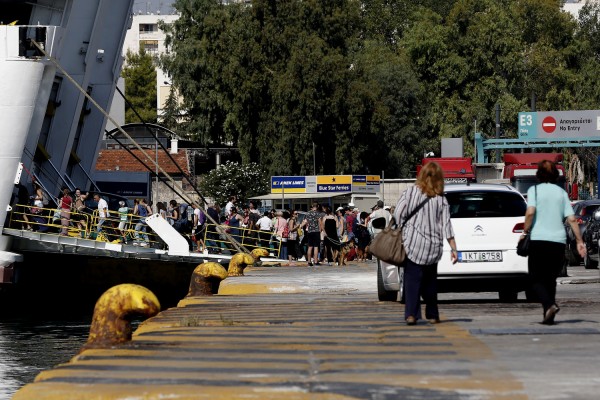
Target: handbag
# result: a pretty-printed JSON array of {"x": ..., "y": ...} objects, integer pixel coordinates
[
  {"x": 523, "y": 244},
  {"x": 388, "y": 245}
]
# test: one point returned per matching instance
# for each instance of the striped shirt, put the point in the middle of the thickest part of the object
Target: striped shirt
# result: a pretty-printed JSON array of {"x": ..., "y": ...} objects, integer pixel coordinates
[{"x": 424, "y": 233}]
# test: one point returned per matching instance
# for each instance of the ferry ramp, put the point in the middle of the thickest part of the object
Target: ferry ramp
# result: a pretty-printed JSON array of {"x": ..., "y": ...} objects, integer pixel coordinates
[{"x": 315, "y": 338}]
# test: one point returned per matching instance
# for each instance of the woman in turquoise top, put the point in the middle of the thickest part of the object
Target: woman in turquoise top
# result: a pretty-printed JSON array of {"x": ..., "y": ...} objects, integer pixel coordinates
[{"x": 547, "y": 207}]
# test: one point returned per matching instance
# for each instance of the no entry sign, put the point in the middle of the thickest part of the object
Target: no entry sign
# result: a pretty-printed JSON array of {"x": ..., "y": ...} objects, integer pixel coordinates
[{"x": 549, "y": 124}]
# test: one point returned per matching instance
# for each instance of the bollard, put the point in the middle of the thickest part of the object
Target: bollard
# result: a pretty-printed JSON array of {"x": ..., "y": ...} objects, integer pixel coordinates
[
  {"x": 238, "y": 263},
  {"x": 111, "y": 323},
  {"x": 206, "y": 279}
]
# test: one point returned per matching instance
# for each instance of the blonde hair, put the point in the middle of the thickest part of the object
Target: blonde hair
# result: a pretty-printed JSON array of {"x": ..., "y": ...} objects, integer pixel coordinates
[{"x": 431, "y": 179}]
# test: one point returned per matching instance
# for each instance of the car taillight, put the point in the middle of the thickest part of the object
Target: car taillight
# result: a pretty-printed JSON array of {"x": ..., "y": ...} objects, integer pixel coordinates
[{"x": 519, "y": 227}]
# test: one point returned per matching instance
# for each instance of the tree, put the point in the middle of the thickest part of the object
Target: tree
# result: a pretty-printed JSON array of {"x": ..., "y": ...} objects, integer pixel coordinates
[
  {"x": 140, "y": 87},
  {"x": 231, "y": 178}
]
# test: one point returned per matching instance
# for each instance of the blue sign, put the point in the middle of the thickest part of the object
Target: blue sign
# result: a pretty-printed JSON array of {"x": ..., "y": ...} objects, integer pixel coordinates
[{"x": 288, "y": 182}]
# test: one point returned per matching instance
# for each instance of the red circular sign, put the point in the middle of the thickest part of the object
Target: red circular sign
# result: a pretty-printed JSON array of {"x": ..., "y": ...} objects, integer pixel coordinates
[{"x": 549, "y": 124}]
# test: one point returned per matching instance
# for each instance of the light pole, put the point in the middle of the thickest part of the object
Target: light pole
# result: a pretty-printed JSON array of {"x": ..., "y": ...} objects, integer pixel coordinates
[{"x": 314, "y": 160}]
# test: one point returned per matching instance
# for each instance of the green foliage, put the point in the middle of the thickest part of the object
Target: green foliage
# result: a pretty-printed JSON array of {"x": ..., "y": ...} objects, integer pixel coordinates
[
  {"x": 242, "y": 180},
  {"x": 140, "y": 87},
  {"x": 358, "y": 87}
]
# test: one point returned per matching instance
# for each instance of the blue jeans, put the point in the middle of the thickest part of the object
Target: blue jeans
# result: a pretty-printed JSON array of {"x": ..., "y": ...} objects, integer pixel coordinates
[{"x": 141, "y": 227}]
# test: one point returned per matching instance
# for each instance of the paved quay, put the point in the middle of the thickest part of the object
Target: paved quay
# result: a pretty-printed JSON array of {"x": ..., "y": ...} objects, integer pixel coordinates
[{"x": 287, "y": 333}]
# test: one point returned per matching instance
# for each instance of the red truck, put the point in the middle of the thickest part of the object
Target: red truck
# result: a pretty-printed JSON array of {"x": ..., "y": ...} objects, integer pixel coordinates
[
  {"x": 456, "y": 169},
  {"x": 520, "y": 169}
]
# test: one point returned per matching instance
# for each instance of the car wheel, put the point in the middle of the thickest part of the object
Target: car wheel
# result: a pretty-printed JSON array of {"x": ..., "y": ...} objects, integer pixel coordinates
[
  {"x": 588, "y": 263},
  {"x": 508, "y": 296},
  {"x": 382, "y": 294}
]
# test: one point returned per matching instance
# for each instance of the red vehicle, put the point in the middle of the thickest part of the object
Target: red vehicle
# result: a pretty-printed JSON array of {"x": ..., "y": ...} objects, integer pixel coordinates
[
  {"x": 520, "y": 169},
  {"x": 456, "y": 169}
]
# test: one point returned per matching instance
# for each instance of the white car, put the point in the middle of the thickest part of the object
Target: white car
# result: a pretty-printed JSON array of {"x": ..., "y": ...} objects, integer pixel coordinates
[{"x": 487, "y": 220}]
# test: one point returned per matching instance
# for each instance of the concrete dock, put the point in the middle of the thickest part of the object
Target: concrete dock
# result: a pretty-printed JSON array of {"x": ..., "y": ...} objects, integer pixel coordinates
[{"x": 284, "y": 333}]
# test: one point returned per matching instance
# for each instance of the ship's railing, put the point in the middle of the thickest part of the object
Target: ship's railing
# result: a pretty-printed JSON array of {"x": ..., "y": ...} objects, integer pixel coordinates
[
  {"x": 83, "y": 224},
  {"x": 215, "y": 240}
]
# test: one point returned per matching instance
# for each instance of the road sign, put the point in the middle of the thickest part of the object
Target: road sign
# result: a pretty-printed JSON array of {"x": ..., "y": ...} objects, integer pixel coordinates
[
  {"x": 559, "y": 124},
  {"x": 549, "y": 124}
]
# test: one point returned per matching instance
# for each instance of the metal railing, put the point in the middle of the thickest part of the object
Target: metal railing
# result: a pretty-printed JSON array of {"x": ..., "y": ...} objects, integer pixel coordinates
[
  {"x": 85, "y": 225},
  {"x": 215, "y": 241}
]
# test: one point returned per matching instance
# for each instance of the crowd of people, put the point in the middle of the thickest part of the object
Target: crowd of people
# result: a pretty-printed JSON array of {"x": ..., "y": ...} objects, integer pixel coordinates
[{"x": 315, "y": 237}]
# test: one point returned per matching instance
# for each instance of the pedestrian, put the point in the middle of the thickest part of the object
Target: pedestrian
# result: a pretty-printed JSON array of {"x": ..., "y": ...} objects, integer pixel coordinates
[
  {"x": 547, "y": 207},
  {"x": 264, "y": 225},
  {"x": 123, "y": 217},
  {"x": 143, "y": 210},
  {"x": 198, "y": 227},
  {"x": 292, "y": 243},
  {"x": 212, "y": 243},
  {"x": 423, "y": 236},
  {"x": 66, "y": 201},
  {"x": 103, "y": 213},
  {"x": 332, "y": 239},
  {"x": 313, "y": 232},
  {"x": 81, "y": 211},
  {"x": 280, "y": 225}
]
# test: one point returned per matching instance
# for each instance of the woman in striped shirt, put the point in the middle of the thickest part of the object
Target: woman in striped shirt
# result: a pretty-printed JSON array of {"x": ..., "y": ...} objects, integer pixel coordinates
[{"x": 423, "y": 237}]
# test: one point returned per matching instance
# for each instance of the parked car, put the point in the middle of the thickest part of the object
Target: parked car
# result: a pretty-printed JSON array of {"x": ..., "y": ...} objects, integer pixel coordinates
[
  {"x": 591, "y": 235},
  {"x": 584, "y": 210},
  {"x": 488, "y": 220}
]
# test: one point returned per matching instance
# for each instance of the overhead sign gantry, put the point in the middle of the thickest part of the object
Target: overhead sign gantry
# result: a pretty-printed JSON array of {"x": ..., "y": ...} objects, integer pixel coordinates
[{"x": 549, "y": 129}]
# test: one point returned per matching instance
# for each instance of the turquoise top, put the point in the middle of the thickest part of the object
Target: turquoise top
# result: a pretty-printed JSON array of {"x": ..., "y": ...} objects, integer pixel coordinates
[{"x": 552, "y": 206}]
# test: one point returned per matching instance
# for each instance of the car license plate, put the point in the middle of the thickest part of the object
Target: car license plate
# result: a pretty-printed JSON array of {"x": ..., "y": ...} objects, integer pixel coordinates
[{"x": 479, "y": 256}]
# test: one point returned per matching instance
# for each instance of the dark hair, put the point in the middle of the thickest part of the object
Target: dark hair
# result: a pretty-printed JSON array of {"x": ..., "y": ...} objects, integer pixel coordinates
[{"x": 547, "y": 172}]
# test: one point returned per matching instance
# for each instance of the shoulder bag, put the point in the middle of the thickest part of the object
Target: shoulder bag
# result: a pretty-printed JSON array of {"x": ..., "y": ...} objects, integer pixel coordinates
[
  {"x": 523, "y": 244},
  {"x": 388, "y": 245}
]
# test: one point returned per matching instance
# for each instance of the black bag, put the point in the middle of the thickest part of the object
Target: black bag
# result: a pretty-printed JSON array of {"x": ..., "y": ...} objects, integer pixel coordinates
[
  {"x": 388, "y": 245},
  {"x": 523, "y": 246}
]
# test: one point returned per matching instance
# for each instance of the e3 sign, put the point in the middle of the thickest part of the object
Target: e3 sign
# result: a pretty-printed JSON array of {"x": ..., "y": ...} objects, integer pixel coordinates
[{"x": 559, "y": 124}]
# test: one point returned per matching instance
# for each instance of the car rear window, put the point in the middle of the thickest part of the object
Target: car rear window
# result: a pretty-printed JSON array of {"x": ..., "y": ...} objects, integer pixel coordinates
[
  {"x": 588, "y": 210},
  {"x": 474, "y": 204}
]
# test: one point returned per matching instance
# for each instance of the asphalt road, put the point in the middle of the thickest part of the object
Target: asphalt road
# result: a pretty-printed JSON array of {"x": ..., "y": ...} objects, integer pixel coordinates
[{"x": 551, "y": 362}]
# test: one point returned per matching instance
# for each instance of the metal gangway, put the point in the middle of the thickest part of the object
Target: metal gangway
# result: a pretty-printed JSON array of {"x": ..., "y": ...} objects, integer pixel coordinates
[{"x": 122, "y": 235}]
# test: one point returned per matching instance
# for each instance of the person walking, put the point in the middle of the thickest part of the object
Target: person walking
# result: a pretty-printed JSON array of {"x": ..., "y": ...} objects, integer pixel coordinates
[
  {"x": 423, "y": 235},
  {"x": 547, "y": 207},
  {"x": 66, "y": 202},
  {"x": 313, "y": 233},
  {"x": 142, "y": 210},
  {"x": 332, "y": 239},
  {"x": 292, "y": 243},
  {"x": 103, "y": 212},
  {"x": 264, "y": 225}
]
